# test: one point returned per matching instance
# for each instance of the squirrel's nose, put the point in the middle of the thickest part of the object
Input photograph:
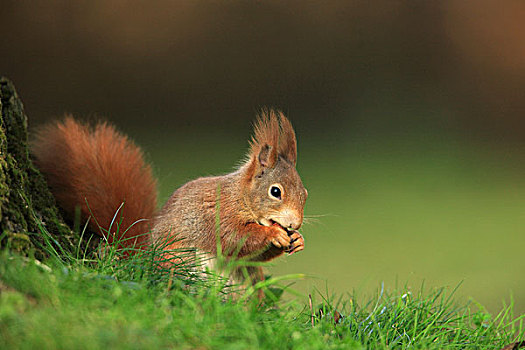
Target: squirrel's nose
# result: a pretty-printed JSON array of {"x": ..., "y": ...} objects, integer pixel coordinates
[{"x": 292, "y": 220}]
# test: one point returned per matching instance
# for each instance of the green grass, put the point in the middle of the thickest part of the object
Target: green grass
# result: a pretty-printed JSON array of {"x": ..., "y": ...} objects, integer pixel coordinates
[{"x": 132, "y": 303}]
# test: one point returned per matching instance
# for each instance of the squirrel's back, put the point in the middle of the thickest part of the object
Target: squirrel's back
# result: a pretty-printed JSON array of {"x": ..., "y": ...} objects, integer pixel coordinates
[{"x": 98, "y": 169}]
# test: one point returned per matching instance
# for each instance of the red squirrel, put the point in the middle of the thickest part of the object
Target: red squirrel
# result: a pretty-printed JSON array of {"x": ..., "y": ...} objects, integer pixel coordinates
[{"x": 260, "y": 204}]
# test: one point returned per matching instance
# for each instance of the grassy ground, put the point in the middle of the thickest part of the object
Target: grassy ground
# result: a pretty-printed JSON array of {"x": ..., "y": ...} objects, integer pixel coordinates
[
  {"x": 131, "y": 304},
  {"x": 391, "y": 218}
]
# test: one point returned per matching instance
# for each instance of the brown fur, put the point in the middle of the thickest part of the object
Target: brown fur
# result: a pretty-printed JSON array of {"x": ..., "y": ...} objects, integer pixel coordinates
[{"x": 98, "y": 169}]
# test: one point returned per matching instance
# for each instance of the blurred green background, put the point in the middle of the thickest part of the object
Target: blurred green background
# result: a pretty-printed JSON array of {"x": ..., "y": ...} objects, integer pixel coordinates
[{"x": 409, "y": 115}]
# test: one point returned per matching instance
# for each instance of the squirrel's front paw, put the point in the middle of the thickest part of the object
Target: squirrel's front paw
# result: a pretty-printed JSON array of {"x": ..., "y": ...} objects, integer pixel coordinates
[
  {"x": 280, "y": 238},
  {"x": 296, "y": 243}
]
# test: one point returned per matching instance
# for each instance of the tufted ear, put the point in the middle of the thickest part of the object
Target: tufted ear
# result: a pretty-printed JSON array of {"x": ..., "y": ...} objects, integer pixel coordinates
[
  {"x": 265, "y": 140},
  {"x": 287, "y": 142},
  {"x": 273, "y": 137}
]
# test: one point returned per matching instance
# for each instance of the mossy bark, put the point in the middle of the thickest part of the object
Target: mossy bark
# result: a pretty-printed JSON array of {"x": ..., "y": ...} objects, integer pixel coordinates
[{"x": 27, "y": 207}]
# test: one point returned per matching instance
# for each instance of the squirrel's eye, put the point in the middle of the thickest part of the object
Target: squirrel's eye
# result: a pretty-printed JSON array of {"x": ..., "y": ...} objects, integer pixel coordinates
[{"x": 275, "y": 192}]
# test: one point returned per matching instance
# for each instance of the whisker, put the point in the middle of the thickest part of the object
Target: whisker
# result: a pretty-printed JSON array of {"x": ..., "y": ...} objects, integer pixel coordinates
[
  {"x": 311, "y": 220},
  {"x": 319, "y": 215}
]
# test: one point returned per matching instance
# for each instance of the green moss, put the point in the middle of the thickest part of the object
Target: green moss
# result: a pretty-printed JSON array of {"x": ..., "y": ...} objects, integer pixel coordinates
[
  {"x": 27, "y": 207},
  {"x": 18, "y": 242}
]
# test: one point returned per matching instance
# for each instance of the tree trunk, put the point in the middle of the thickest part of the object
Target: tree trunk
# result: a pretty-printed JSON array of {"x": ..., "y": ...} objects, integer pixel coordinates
[{"x": 30, "y": 222}]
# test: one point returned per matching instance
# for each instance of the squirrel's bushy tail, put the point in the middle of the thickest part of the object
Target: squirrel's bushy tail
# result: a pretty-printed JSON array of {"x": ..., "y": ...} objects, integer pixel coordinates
[{"x": 98, "y": 169}]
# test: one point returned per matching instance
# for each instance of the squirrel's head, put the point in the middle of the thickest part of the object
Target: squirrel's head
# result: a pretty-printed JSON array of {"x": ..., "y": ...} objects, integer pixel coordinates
[{"x": 273, "y": 189}]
